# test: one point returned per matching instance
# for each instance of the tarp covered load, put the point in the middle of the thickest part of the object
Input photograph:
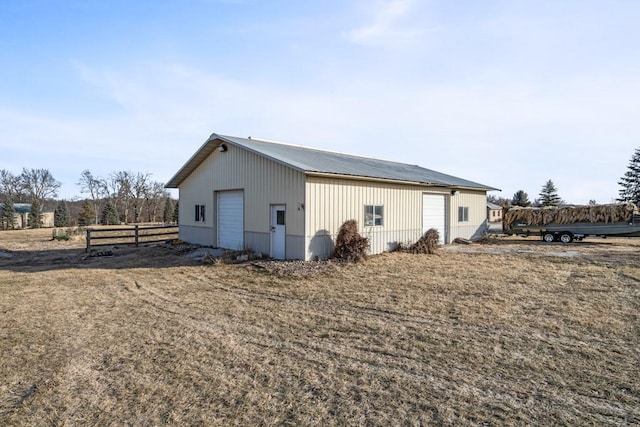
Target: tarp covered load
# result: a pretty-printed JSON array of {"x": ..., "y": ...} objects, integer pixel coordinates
[{"x": 618, "y": 212}]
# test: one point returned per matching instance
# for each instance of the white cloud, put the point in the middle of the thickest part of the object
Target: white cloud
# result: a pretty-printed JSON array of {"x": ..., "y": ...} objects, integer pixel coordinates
[
  {"x": 390, "y": 26},
  {"x": 509, "y": 134}
]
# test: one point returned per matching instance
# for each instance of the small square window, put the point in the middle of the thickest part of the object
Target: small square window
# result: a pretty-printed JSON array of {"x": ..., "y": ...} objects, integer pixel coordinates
[
  {"x": 280, "y": 217},
  {"x": 373, "y": 215},
  {"x": 463, "y": 214},
  {"x": 199, "y": 213}
]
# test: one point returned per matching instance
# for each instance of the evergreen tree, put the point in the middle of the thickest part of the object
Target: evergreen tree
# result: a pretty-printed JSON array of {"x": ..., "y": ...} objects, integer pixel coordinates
[
  {"x": 109, "y": 215},
  {"x": 520, "y": 198},
  {"x": 86, "y": 215},
  {"x": 549, "y": 195},
  {"x": 7, "y": 216},
  {"x": 35, "y": 215},
  {"x": 61, "y": 216},
  {"x": 630, "y": 182},
  {"x": 167, "y": 215},
  {"x": 176, "y": 212}
]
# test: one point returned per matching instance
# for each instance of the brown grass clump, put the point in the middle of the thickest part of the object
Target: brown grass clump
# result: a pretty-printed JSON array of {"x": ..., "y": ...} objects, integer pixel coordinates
[
  {"x": 427, "y": 244},
  {"x": 350, "y": 245}
]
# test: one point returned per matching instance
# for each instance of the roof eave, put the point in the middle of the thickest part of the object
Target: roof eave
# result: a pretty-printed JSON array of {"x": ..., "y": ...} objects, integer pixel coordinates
[
  {"x": 196, "y": 160},
  {"x": 395, "y": 181},
  {"x": 205, "y": 151},
  {"x": 215, "y": 140}
]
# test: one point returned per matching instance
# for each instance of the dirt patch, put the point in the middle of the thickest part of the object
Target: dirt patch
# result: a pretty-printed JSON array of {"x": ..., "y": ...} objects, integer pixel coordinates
[{"x": 296, "y": 268}]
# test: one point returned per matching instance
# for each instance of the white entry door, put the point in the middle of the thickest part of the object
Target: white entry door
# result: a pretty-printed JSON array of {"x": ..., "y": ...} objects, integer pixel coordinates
[
  {"x": 434, "y": 211},
  {"x": 231, "y": 220},
  {"x": 278, "y": 231}
]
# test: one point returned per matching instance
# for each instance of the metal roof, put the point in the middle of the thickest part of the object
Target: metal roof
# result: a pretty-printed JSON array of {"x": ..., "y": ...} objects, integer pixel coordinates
[
  {"x": 19, "y": 207},
  {"x": 314, "y": 161}
]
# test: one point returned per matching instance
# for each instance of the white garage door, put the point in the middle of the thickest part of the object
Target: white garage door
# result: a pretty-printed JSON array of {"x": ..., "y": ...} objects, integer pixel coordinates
[
  {"x": 231, "y": 220},
  {"x": 434, "y": 213}
]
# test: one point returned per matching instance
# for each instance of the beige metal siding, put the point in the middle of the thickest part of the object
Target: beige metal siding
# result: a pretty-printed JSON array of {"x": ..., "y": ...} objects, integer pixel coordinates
[
  {"x": 264, "y": 182},
  {"x": 475, "y": 227},
  {"x": 330, "y": 202}
]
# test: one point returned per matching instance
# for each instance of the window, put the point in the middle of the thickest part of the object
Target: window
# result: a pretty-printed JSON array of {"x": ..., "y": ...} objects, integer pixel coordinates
[
  {"x": 463, "y": 214},
  {"x": 373, "y": 215},
  {"x": 280, "y": 217},
  {"x": 199, "y": 213}
]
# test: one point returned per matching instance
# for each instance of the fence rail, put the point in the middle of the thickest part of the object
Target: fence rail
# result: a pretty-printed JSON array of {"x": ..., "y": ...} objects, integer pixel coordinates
[{"x": 135, "y": 235}]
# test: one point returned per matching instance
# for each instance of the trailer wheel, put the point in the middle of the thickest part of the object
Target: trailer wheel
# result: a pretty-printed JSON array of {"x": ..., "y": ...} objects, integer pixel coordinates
[
  {"x": 548, "y": 237},
  {"x": 566, "y": 237}
]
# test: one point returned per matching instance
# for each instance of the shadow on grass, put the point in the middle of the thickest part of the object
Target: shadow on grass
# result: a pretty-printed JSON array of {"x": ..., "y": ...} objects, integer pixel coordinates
[{"x": 105, "y": 258}]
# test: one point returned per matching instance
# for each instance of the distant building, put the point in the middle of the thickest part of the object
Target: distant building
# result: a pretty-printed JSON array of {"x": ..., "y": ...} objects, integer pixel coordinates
[
  {"x": 494, "y": 212},
  {"x": 22, "y": 215}
]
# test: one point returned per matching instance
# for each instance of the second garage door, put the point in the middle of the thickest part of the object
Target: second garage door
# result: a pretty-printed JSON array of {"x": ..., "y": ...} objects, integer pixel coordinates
[
  {"x": 434, "y": 214},
  {"x": 231, "y": 220}
]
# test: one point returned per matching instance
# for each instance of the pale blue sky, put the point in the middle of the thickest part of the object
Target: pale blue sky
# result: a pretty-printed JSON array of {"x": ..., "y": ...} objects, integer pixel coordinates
[{"x": 505, "y": 93}]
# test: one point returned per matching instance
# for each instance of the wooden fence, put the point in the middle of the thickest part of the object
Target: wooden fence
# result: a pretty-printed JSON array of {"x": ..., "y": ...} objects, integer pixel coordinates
[{"x": 135, "y": 235}]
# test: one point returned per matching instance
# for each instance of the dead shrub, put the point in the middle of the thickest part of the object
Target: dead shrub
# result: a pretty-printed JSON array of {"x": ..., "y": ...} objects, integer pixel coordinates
[
  {"x": 350, "y": 245},
  {"x": 427, "y": 244}
]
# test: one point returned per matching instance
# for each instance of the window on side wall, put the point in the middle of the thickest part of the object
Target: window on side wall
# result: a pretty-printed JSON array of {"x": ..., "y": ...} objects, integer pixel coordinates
[
  {"x": 200, "y": 213},
  {"x": 463, "y": 214},
  {"x": 373, "y": 215}
]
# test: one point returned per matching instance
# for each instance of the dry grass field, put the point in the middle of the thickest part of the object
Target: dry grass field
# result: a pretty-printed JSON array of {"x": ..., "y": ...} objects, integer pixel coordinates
[{"x": 511, "y": 332}]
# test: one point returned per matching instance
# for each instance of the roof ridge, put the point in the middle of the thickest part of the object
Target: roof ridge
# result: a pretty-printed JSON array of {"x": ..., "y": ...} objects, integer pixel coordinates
[
  {"x": 323, "y": 150},
  {"x": 311, "y": 159}
]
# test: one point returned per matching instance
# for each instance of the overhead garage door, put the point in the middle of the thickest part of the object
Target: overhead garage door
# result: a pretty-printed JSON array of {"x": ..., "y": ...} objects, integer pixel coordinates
[
  {"x": 231, "y": 220},
  {"x": 434, "y": 214}
]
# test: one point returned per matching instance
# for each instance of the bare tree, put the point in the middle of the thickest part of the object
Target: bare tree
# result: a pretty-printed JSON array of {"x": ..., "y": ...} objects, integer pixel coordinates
[
  {"x": 39, "y": 184},
  {"x": 120, "y": 183},
  {"x": 10, "y": 186},
  {"x": 139, "y": 192},
  {"x": 112, "y": 188},
  {"x": 156, "y": 195},
  {"x": 131, "y": 190},
  {"x": 95, "y": 187}
]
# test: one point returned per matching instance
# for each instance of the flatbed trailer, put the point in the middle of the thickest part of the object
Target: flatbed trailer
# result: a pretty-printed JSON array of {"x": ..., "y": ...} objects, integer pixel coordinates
[
  {"x": 555, "y": 229},
  {"x": 566, "y": 233}
]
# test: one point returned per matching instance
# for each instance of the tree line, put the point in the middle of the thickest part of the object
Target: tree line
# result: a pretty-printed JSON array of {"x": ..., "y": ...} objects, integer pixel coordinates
[
  {"x": 121, "y": 197},
  {"x": 131, "y": 197},
  {"x": 629, "y": 190},
  {"x": 548, "y": 197}
]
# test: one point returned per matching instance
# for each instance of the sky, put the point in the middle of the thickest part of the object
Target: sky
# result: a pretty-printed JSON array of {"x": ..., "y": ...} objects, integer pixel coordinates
[{"x": 505, "y": 93}]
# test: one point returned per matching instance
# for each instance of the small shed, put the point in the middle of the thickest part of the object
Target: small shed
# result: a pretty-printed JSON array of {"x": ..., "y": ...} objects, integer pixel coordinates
[
  {"x": 22, "y": 212},
  {"x": 289, "y": 201},
  {"x": 494, "y": 212}
]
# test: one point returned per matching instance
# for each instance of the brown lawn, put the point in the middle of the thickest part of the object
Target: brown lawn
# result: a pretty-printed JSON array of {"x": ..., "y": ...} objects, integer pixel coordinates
[{"x": 511, "y": 332}]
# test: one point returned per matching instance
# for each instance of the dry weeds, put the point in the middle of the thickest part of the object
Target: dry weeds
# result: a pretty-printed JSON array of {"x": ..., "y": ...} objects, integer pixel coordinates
[{"x": 511, "y": 332}]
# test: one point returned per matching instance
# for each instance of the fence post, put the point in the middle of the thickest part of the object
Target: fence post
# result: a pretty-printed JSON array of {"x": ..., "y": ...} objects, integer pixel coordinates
[
  {"x": 136, "y": 233},
  {"x": 88, "y": 239}
]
